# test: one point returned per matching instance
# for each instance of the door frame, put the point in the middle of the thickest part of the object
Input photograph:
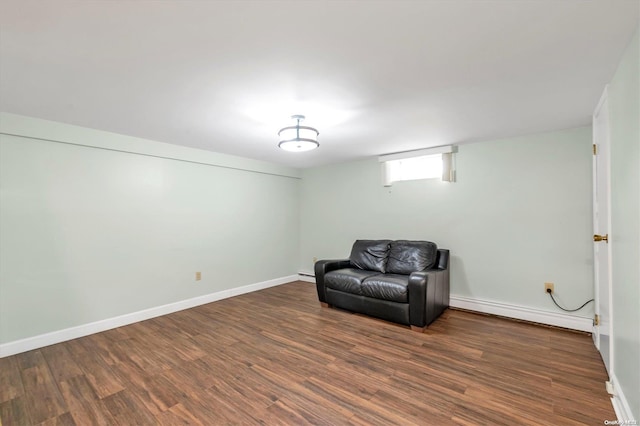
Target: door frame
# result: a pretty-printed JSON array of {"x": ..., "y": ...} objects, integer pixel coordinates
[{"x": 600, "y": 147}]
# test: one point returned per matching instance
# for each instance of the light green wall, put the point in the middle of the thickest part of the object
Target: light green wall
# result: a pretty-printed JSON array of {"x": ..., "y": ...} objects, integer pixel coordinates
[
  {"x": 624, "y": 104},
  {"x": 519, "y": 215},
  {"x": 12, "y": 124},
  {"x": 88, "y": 233}
]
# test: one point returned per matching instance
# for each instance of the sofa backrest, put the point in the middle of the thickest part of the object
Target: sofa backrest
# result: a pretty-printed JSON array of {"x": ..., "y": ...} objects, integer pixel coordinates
[
  {"x": 406, "y": 256},
  {"x": 371, "y": 255},
  {"x": 396, "y": 257}
]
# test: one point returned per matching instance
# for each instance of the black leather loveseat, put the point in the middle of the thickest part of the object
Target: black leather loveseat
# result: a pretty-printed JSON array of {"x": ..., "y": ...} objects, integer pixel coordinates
[{"x": 406, "y": 282}]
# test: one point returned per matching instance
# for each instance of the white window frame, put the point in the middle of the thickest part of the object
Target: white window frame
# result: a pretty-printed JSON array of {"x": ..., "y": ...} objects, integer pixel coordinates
[{"x": 446, "y": 153}]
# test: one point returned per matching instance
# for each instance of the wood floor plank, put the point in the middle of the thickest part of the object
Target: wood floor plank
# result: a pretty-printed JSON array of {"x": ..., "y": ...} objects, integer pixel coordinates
[
  {"x": 276, "y": 357},
  {"x": 10, "y": 380},
  {"x": 293, "y": 390},
  {"x": 148, "y": 356},
  {"x": 98, "y": 373},
  {"x": 83, "y": 402},
  {"x": 42, "y": 396},
  {"x": 109, "y": 351},
  {"x": 29, "y": 359},
  {"x": 527, "y": 408},
  {"x": 15, "y": 412},
  {"x": 231, "y": 404},
  {"x": 126, "y": 409},
  {"x": 595, "y": 398},
  {"x": 442, "y": 391},
  {"x": 416, "y": 410},
  {"x": 65, "y": 419},
  {"x": 375, "y": 413},
  {"x": 287, "y": 412},
  {"x": 255, "y": 390},
  {"x": 200, "y": 407},
  {"x": 179, "y": 415},
  {"x": 60, "y": 362},
  {"x": 156, "y": 392}
]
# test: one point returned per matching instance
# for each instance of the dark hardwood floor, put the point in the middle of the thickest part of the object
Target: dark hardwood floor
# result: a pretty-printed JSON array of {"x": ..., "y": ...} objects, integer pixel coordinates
[{"x": 276, "y": 357}]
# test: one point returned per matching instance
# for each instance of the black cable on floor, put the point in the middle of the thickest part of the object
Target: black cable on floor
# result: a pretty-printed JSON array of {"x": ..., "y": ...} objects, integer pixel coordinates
[{"x": 568, "y": 310}]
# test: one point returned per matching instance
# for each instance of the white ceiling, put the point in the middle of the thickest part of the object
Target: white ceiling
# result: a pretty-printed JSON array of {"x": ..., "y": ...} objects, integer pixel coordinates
[{"x": 373, "y": 76}]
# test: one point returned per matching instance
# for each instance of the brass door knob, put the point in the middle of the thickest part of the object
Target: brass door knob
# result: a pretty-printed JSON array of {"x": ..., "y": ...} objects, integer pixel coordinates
[{"x": 604, "y": 238}]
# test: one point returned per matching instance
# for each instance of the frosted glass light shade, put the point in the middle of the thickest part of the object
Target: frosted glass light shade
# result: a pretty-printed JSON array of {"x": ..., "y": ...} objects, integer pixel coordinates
[
  {"x": 298, "y": 138},
  {"x": 298, "y": 145}
]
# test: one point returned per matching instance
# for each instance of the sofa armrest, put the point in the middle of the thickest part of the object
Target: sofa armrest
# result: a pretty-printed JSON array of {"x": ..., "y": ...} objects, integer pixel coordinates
[
  {"x": 321, "y": 268},
  {"x": 442, "y": 259},
  {"x": 428, "y": 296}
]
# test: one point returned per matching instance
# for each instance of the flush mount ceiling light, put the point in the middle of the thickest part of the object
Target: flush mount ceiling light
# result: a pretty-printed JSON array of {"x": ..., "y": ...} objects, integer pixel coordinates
[{"x": 298, "y": 138}]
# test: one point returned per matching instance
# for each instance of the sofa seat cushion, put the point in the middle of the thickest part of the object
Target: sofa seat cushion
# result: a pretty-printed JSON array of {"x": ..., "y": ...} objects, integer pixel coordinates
[
  {"x": 348, "y": 280},
  {"x": 391, "y": 287}
]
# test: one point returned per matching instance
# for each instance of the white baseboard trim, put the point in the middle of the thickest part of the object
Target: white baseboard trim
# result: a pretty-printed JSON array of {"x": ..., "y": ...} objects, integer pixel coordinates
[
  {"x": 523, "y": 313},
  {"x": 620, "y": 403},
  {"x": 42, "y": 340},
  {"x": 505, "y": 310},
  {"x": 306, "y": 276}
]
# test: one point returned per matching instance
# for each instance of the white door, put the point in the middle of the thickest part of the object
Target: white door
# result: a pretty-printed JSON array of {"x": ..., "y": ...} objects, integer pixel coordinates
[{"x": 601, "y": 226}]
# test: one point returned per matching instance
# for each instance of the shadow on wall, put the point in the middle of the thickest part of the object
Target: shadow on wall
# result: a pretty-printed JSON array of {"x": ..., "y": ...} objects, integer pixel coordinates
[{"x": 459, "y": 280}]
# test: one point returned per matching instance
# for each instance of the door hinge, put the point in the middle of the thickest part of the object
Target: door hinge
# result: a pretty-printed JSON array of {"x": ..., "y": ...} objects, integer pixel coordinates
[
  {"x": 595, "y": 149},
  {"x": 596, "y": 320}
]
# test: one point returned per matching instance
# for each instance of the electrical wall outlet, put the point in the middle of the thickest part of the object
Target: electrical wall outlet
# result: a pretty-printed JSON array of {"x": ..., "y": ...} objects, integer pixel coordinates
[
  {"x": 198, "y": 276},
  {"x": 548, "y": 286},
  {"x": 315, "y": 259}
]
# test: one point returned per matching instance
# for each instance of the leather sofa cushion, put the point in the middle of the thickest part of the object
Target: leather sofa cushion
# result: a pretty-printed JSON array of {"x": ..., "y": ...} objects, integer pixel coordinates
[
  {"x": 406, "y": 257},
  {"x": 348, "y": 280},
  {"x": 370, "y": 255},
  {"x": 387, "y": 287}
]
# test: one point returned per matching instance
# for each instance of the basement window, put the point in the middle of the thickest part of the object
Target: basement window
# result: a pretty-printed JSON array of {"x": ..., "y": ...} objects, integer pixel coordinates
[
  {"x": 423, "y": 167},
  {"x": 431, "y": 163}
]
